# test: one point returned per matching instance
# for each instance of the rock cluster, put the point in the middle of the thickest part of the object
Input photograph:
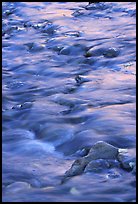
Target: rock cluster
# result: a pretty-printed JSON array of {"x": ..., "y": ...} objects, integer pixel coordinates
[{"x": 101, "y": 156}]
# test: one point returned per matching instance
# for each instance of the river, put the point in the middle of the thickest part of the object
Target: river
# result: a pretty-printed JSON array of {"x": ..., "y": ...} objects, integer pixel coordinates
[{"x": 68, "y": 81}]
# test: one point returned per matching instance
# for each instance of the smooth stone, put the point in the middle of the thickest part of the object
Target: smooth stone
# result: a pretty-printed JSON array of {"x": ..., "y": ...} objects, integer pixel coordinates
[
  {"x": 106, "y": 52},
  {"x": 97, "y": 166},
  {"x": 75, "y": 49},
  {"x": 111, "y": 52},
  {"x": 65, "y": 51},
  {"x": 93, "y": 52},
  {"x": 102, "y": 150}
]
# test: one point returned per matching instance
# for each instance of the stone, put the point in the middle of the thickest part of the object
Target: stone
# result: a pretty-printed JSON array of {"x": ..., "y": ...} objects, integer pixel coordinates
[
  {"x": 97, "y": 166},
  {"x": 65, "y": 50},
  {"x": 102, "y": 150},
  {"x": 81, "y": 79},
  {"x": 126, "y": 161},
  {"x": 111, "y": 52},
  {"x": 102, "y": 156},
  {"x": 93, "y": 52},
  {"x": 77, "y": 167}
]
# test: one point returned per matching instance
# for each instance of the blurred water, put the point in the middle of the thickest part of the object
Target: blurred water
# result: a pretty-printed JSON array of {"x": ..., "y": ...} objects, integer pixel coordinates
[{"x": 69, "y": 80}]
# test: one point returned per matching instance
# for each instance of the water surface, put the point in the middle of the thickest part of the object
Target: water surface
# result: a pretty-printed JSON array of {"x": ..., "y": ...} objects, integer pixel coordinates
[{"x": 58, "y": 99}]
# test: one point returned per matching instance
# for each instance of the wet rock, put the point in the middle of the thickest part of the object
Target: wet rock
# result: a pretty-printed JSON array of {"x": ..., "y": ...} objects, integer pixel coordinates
[
  {"x": 113, "y": 163},
  {"x": 82, "y": 152},
  {"x": 78, "y": 13},
  {"x": 106, "y": 52},
  {"x": 77, "y": 167},
  {"x": 126, "y": 161},
  {"x": 96, "y": 5},
  {"x": 81, "y": 79},
  {"x": 35, "y": 47},
  {"x": 65, "y": 51},
  {"x": 113, "y": 174},
  {"x": 75, "y": 49},
  {"x": 25, "y": 105},
  {"x": 45, "y": 27},
  {"x": 103, "y": 150},
  {"x": 111, "y": 52},
  {"x": 97, "y": 166},
  {"x": 99, "y": 157},
  {"x": 93, "y": 52},
  {"x": 72, "y": 33}
]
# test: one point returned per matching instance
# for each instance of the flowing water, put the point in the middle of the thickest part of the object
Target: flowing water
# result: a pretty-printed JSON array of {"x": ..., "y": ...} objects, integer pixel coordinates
[{"x": 69, "y": 80}]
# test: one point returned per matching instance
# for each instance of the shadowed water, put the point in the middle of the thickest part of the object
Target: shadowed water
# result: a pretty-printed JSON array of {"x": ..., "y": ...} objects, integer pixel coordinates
[{"x": 68, "y": 81}]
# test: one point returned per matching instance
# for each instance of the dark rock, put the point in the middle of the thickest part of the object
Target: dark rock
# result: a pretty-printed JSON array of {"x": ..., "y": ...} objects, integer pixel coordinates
[
  {"x": 94, "y": 52},
  {"x": 99, "y": 157},
  {"x": 126, "y": 161},
  {"x": 103, "y": 150},
  {"x": 111, "y": 52},
  {"x": 81, "y": 79},
  {"x": 25, "y": 105},
  {"x": 77, "y": 167},
  {"x": 96, "y": 166}
]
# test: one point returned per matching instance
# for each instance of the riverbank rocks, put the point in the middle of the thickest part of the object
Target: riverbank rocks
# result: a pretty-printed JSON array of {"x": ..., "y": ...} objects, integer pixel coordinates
[{"x": 101, "y": 156}]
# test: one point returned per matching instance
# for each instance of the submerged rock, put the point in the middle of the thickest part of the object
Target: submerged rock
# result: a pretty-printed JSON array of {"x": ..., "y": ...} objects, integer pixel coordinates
[
  {"x": 81, "y": 79},
  {"x": 106, "y": 52},
  {"x": 93, "y": 52},
  {"x": 111, "y": 52},
  {"x": 75, "y": 49},
  {"x": 24, "y": 105}
]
